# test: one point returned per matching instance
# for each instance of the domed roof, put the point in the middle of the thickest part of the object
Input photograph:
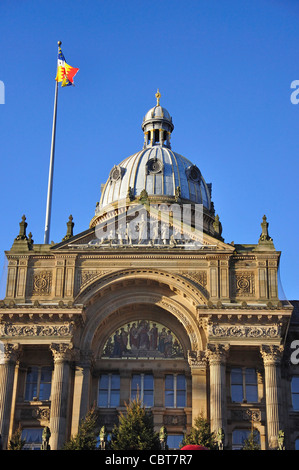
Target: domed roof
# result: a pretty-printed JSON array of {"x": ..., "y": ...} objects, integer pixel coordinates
[
  {"x": 164, "y": 175},
  {"x": 157, "y": 112},
  {"x": 160, "y": 172}
]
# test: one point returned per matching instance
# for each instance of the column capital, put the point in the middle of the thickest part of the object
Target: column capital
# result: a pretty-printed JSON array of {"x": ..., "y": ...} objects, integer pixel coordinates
[
  {"x": 217, "y": 353},
  {"x": 10, "y": 352},
  {"x": 61, "y": 351},
  {"x": 197, "y": 359},
  {"x": 271, "y": 354}
]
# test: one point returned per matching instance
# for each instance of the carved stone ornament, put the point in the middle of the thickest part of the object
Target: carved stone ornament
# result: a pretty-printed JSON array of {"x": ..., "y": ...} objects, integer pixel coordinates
[
  {"x": 244, "y": 331},
  {"x": 271, "y": 354},
  {"x": 42, "y": 283},
  {"x": 61, "y": 351},
  {"x": 10, "y": 329},
  {"x": 217, "y": 353},
  {"x": 197, "y": 359},
  {"x": 41, "y": 413},
  {"x": 9, "y": 352},
  {"x": 244, "y": 284},
  {"x": 200, "y": 277}
]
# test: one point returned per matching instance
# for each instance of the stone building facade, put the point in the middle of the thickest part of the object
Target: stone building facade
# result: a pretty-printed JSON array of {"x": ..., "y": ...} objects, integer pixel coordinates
[{"x": 149, "y": 302}]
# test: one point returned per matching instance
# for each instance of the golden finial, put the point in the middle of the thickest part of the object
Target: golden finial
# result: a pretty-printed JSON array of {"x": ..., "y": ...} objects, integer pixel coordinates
[{"x": 158, "y": 96}]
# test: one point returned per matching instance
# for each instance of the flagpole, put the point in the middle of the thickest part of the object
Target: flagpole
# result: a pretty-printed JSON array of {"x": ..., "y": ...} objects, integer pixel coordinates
[{"x": 51, "y": 167}]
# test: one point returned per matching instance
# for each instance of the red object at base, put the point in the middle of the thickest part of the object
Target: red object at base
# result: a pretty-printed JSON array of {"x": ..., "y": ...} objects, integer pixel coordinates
[{"x": 194, "y": 447}]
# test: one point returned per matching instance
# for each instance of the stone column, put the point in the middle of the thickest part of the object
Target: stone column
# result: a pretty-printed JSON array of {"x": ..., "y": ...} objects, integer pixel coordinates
[
  {"x": 217, "y": 354},
  {"x": 8, "y": 358},
  {"x": 272, "y": 357},
  {"x": 81, "y": 399},
  {"x": 198, "y": 364},
  {"x": 59, "y": 394}
]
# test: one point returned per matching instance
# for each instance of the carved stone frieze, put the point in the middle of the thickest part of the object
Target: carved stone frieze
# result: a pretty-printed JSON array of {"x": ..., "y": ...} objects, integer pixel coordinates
[
  {"x": 41, "y": 283},
  {"x": 41, "y": 413},
  {"x": 200, "y": 277},
  {"x": 85, "y": 277},
  {"x": 244, "y": 331},
  {"x": 243, "y": 285},
  {"x": 247, "y": 414},
  {"x": 10, "y": 329},
  {"x": 172, "y": 420}
]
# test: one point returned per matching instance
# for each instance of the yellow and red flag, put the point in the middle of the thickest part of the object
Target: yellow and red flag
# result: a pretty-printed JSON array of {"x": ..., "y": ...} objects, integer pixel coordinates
[{"x": 65, "y": 73}]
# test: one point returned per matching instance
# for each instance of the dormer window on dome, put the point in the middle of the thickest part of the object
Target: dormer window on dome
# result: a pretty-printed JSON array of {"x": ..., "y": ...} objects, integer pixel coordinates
[{"x": 157, "y": 126}]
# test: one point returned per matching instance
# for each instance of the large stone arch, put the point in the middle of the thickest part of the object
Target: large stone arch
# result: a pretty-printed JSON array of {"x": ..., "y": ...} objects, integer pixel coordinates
[
  {"x": 107, "y": 298},
  {"x": 177, "y": 282}
]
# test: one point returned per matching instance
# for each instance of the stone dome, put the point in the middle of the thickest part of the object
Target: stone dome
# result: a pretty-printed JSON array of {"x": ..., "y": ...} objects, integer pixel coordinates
[
  {"x": 162, "y": 173},
  {"x": 156, "y": 170}
]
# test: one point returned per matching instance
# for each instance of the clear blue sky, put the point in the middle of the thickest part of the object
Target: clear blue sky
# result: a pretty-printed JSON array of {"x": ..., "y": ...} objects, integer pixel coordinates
[{"x": 224, "y": 69}]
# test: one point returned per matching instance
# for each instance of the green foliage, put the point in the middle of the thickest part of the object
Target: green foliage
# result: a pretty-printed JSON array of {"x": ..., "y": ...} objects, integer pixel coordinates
[
  {"x": 200, "y": 434},
  {"x": 135, "y": 430},
  {"x": 85, "y": 439},
  {"x": 252, "y": 441},
  {"x": 16, "y": 442}
]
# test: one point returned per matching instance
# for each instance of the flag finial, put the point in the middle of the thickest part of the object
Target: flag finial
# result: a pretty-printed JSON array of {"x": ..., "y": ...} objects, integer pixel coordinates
[
  {"x": 158, "y": 96},
  {"x": 59, "y": 43}
]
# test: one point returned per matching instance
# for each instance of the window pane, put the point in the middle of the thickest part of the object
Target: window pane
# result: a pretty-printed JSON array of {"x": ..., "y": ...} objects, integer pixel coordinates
[
  {"x": 115, "y": 381},
  {"x": 148, "y": 398},
  {"x": 237, "y": 393},
  {"x": 250, "y": 376},
  {"x": 251, "y": 393},
  {"x": 136, "y": 382},
  {"x": 181, "y": 398},
  {"x": 46, "y": 374},
  {"x": 32, "y": 374},
  {"x": 240, "y": 435},
  {"x": 181, "y": 382},
  {"x": 174, "y": 440},
  {"x": 104, "y": 381},
  {"x": 169, "y": 382},
  {"x": 169, "y": 398},
  {"x": 32, "y": 435},
  {"x": 114, "y": 398},
  {"x": 103, "y": 398},
  {"x": 148, "y": 382},
  {"x": 295, "y": 385},
  {"x": 44, "y": 391},
  {"x": 236, "y": 376},
  {"x": 295, "y": 401}
]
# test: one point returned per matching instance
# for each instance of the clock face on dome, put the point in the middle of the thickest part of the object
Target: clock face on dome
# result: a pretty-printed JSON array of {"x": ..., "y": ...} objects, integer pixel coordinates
[
  {"x": 115, "y": 173},
  {"x": 154, "y": 166}
]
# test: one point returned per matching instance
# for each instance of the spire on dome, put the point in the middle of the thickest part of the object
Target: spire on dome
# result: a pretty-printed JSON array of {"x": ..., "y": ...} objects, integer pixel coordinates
[{"x": 157, "y": 125}]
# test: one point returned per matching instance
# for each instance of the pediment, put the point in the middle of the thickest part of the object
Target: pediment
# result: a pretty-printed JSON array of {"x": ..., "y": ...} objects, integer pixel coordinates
[{"x": 143, "y": 234}]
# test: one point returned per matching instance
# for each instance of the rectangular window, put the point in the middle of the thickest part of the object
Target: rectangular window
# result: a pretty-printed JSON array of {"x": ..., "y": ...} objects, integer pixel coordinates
[
  {"x": 244, "y": 385},
  {"x": 295, "y": 393},
  {"x": 174, "y": 441},
  {"x": 175, "y": 391},
  {"x": 142, "y": 386},
  {"x": 109, "y": 391},
  {"x": 33, "y": 438},
  {"x": 38, "y": 383}
]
